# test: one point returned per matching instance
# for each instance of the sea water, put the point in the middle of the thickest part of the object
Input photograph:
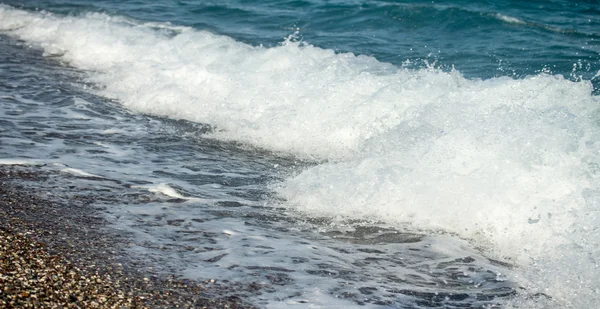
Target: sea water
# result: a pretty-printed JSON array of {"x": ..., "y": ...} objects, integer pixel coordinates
[{"x": 385, "y": 154}]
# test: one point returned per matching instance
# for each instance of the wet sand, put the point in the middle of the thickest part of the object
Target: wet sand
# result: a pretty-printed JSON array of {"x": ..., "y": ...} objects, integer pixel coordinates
[{"x": 58, "y": 253}]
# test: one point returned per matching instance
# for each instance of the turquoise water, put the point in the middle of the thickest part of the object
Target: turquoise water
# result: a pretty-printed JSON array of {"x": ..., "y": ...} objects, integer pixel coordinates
[
  {"x": 341, "y": 154},
  {"x": 479, "y": 38}
]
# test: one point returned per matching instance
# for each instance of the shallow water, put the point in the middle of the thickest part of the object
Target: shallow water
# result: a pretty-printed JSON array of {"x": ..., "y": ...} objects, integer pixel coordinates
[
  {"x": 206, "y": 215},
  {"x": 305, "y": 147}
]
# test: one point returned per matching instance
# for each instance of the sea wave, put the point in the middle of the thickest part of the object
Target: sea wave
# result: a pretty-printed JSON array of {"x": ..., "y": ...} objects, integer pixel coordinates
[{"x": 511, "y": 164}]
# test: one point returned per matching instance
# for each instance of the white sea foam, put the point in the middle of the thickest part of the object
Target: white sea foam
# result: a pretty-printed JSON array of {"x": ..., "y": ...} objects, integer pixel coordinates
[
  {"x": 512, "y": 165},
  {"x": 169, "y": 191},
  {"x": 13, "y": 161},
  {"x": 165, "y": 189},
  {"x": 79, "y": 172},
  {"x": 498, "y": 158},
  {"x": 289, "y": 98},
  {"x": 509, "y": 19}
]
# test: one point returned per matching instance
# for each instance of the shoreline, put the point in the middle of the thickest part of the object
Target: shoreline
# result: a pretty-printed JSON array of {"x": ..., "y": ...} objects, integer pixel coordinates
[{"x": 58, "y": 253}]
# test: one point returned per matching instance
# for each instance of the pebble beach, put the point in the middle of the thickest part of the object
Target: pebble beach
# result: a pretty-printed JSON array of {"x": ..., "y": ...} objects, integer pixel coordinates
[{"x": 55, "y": 255}]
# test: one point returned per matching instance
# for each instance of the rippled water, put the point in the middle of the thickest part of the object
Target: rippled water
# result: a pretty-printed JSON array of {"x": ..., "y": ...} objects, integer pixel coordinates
[
  {"x": 348, "y": 154},
  {"x": 481, "y": 39},
  {"x": 205, "y": 216}
]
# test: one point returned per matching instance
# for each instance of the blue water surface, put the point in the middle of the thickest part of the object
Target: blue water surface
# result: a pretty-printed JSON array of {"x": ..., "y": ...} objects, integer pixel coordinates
[{"x": 481, "y": 39}]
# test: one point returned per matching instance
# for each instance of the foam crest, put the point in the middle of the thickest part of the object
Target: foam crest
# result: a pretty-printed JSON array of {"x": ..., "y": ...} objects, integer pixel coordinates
[
  {"x": 292, "y": 98},
  {"x": 509, "y": 19}
]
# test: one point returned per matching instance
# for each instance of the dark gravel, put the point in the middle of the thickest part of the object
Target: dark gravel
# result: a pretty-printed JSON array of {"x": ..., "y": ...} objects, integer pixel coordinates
[{"x": 56, "y": 252}]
